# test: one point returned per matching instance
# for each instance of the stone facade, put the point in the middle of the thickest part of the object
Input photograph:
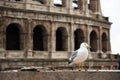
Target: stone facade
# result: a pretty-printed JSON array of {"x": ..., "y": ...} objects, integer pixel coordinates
[{"x": 40, "y": 29}]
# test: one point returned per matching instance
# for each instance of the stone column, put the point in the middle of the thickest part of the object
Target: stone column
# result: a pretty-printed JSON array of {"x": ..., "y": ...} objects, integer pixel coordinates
[
  {"x": 80, "y": 4},
  {"x": 2, "y": 36},
  {"x": 49, "y": 41},
  {"x": 53, "y": 39},
  {"x": 100, "y": 40},
  {"x": 48, "y": 2},
  {"x": 67, "y": 4},
  {"x": 29, "y": 43},
  {"x": 71, "y": 39},
  {"x": 95, "y": 6},
  {"x": 109, "y": 46},
  {"x": 30, "y": 35},
  {"x": 83, "y": 6},
  {"x": 88, "y": 34}
]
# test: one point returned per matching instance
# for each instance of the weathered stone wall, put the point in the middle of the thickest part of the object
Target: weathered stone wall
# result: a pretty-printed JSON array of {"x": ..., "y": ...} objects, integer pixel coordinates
[
  {"x": 25, "y": 16},
  {"x": 10, "y": 64},
  {"x": 60, "y": 75}
]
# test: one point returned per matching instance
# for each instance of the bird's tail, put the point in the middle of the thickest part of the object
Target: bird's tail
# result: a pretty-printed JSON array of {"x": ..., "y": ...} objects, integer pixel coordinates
[{"x": 70, "y": 62}]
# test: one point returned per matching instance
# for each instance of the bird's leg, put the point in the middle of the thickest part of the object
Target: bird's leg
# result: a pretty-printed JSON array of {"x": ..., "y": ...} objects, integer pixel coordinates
[{"x": 81, "y": 66}]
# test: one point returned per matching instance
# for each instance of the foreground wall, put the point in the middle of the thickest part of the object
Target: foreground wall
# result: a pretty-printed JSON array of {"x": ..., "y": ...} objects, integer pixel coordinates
[{"x": 61, "y": 75}]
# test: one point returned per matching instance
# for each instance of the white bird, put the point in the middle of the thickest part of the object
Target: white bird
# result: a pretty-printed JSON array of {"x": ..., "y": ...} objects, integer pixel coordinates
[{"x": 80, "y": 55}]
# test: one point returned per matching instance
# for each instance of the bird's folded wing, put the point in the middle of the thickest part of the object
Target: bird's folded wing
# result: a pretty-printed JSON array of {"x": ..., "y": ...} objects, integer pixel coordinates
[{"x": 74, "y": 55}]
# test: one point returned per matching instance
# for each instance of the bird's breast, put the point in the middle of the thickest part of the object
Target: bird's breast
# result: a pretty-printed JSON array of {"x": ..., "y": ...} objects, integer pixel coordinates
[{"x": 82, "y": 56}]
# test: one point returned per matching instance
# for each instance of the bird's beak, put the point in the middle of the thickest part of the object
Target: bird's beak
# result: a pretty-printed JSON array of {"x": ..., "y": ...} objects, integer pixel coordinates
[{"x": 88, "y": 46}]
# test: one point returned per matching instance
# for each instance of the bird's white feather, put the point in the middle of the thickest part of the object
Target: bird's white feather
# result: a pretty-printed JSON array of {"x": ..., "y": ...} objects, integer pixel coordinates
[{"x": 79, "y": 55}]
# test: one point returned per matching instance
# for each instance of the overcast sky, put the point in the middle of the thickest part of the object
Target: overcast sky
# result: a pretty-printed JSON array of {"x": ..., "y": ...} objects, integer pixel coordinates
[{"x": 111, "y": 9}]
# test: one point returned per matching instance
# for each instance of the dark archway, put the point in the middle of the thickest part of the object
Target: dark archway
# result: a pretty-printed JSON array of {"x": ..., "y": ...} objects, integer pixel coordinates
[
  {"x": 61, "y": 39},
  {"x": 13, "y": 37},
  {"x": 58, "y": 3},
  {"x": 93, "y": 41},
  {"x": 104, "y": 42},
  {"x": 40, "y": 38},
  {"x": 41, "y": 1},
  {"x": 78, "y": 38}
]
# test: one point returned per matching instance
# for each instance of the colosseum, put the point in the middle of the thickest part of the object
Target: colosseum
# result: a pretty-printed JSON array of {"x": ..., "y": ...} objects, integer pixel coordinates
[{"x": 41, "y": 32}]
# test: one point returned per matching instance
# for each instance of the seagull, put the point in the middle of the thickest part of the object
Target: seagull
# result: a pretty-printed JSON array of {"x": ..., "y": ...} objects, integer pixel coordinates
[{"x": 80, "y": 55}]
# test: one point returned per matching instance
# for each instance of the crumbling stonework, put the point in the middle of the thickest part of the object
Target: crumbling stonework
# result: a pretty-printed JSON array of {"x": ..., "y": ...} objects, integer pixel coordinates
[{"x": 40, "y": 29}]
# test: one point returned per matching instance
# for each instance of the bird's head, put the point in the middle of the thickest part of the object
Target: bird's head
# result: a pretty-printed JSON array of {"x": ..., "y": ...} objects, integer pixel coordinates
[{"x": 85, "y": 45}]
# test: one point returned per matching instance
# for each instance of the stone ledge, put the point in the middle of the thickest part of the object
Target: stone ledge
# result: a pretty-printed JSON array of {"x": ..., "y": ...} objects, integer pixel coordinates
[
  {"x": 8, "y": 64},
  {"x": 61, "y": 75}
]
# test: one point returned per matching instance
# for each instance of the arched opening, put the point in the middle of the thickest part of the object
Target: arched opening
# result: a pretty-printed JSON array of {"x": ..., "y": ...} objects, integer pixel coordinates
[
  {"x": 58, "y": 3},
  {"x": 61, "y": 39},
  {"x": 13, "y": 37},
  {"x": 14, "y": 0},
  {"x": 75, "y": 4},
  {"x": 78, "y": 38},
  {"x": 104, "y": 42},
  {"x": 93, "y": 41},
  {"x": 40, "y": 1},
  {"x": 40, "y": 38}
]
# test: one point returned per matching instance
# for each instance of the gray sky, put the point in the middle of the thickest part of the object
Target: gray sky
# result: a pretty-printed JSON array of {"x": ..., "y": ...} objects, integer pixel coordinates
[{"x": 110, "y": 8}]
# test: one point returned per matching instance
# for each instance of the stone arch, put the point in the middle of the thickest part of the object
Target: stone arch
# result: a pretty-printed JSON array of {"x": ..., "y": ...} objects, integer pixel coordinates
[
  {"x": 61, "y": 39},
  {"x": 14, "y": 0},
  {"x": 74, "y": 4},
  {"x": 104, "y": 42},
  {"x": 58, "y": 3},
  {"x": 13, "y": 36},
  {"x": 40, "y": 1},
  {"x": 93, "y": 41},
  {"x": 78, "y": 38},
  {"x": 40, "y": 38}
]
